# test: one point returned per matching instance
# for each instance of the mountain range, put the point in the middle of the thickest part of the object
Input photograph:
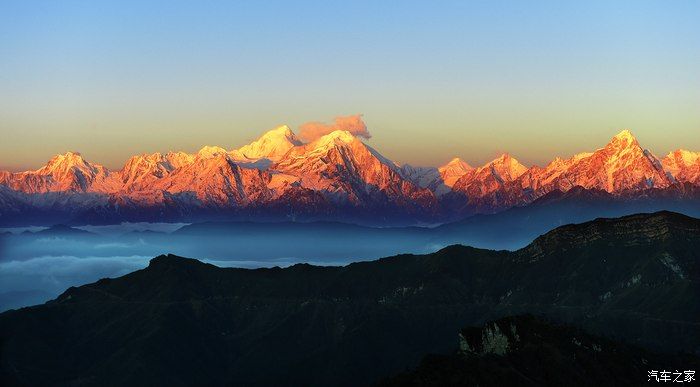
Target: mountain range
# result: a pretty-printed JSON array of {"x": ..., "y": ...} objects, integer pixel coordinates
[
  {"x": 633, "y": 280},
  {"x": 335, "y": 177}
]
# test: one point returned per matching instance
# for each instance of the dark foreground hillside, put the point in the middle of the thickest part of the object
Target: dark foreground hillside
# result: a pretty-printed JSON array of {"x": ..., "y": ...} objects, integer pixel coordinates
[
  {"x": 527, "y": 351},
  {"x": 180, "y": 321}
]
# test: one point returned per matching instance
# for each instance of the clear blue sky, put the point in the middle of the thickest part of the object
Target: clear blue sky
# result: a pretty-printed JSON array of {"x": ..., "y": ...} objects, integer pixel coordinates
[{"x": 434, "y": 80}]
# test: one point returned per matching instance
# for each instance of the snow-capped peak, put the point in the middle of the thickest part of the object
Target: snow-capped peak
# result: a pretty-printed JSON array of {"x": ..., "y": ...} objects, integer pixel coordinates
[
  {"x": 144, "y": 167},
  {"x": 70, "y": 157},
  {"x": 685, "y": 156},
  {"x": 507, "y": 167},
  {"x": 280, "y": 131},
  {"x": 272, "y": 145},
  {"x": 452, "y": 171},
  {"x": 338, "y": 137},
  {"x": 65, "y": 172},
  {"x": 179, "y": 159},
  {"x": 457, "y": 163},
  {"x": 340, "y": 168},
  {"x": 625, "y": 133},
  {"x": 625, "y": 137},
  {"x": 621, "y": 165},
  {"x": 146, "y": 157},
  {"x": 683, "y": 165},
  {"x": 63, "y": 163},
  {"x": 210, "y": 151}
]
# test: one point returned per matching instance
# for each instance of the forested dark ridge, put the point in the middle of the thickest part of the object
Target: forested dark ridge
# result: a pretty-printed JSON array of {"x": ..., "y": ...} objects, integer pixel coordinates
[{"x": 180, "y": 321}]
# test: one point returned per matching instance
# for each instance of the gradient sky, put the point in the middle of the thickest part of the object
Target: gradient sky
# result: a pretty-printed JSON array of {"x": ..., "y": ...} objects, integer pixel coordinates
[{"x": 433, "y": 80}]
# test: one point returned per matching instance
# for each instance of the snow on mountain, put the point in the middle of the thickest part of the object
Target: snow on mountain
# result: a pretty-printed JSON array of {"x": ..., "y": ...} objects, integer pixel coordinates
[
  {"x": 179, "y": 159},
  {"x": 439, "y": 180},
  {"x": 216, "y": 180},
  {"x": 622, "y": 165},
  {"x": 346, "y": 170},
  {"x": 424, "y": 177},
  {"x": 491, "y": 176},
  {"x": 143, "y": 170},
  {"x": 683, "y": 165},
  {"x": 537, "y": 177},
  {"x": 278, "y": 172},
  {"x": 64, "y": 172},
  {"x": 60, "y": 166},
  {"x": 139, "y": 171},
  {"x": 452, "y": 171},
  {"x": 208, "y": 152},
  {"x": 487, "y": 188},
  {"x": 271, "y": 146},
  {"x": 11, "y": 204}
]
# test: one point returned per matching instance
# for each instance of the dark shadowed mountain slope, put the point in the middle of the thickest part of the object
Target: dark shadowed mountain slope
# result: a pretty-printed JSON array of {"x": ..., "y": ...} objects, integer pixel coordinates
[
  {"x": 518, "y": 226},
  {"x": 528, "y": 351},
  {"x": 62, "y": 230},
  {"x": 180, "y": 321}
]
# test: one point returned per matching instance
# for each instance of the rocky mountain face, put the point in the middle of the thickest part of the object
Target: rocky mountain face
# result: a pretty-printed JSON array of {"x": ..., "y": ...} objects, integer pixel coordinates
[
  {"x": 68, "y": 172},
  {"x": 140, "y": 172},
  {"x": 530, "y": 351},
  {"x": 622, "y": 167},
  {"x": 348, "y": 171},
  {"x": 488, "y": 188},
  {"x": 439, "y": 180},
  {"x": 183, "y": 322},
  {"x": 334, "y": 177},
  {"x": 452, "y": 171},
  {"x": 683, "y": 165}
]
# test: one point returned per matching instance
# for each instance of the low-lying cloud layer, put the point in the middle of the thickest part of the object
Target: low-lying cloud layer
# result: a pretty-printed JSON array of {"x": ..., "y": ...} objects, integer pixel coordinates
[
  {"x": 35, "y": 268},
  {"x": 353, "y": 124}
]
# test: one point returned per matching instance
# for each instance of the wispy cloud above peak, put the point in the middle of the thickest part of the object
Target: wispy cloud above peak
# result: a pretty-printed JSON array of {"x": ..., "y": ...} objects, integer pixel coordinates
[{"x": 353, "y": 124}]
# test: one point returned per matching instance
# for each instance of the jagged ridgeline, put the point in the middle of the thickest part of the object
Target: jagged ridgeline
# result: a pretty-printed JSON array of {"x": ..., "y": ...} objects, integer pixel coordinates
[
  {"x": 335, "y": 177},
  {"x": 180, "y": 321}
]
